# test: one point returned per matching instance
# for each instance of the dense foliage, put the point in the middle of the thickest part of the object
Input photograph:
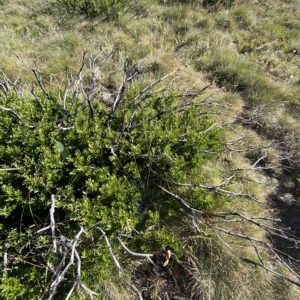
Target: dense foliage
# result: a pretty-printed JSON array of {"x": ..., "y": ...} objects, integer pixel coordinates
[{"x": 104, "y": 170}]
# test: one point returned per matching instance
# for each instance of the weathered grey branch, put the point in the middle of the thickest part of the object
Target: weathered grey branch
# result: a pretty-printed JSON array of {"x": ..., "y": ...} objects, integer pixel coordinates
[
  {"x": 261, "y": 264},
  {"x": 110, "y": 248},
  {"x": 159, "y": 155},
  {"x": 37, "y": 75},
  {"x": 5, "y": 260},
  {"x": 257, "y": 252},
  {"x": 191, "y": 209},
  {"x": 52, "y": 222},
  {"x": 13, "y": 112},
  {"x": 142, "y": 96},
  {"x": 283, "y": 262},
  {"x": 7, "y": 84},
  {"x": 10, "y": 169},
  {"x": 137, "y": 291},
  {"x": 121, "y": 88},
  {"x": 71, "y": 291},
  {"x": 216, "y": 188},
  {"x": 270, "y": 270},
  {"x": 36, "y": 97},
  {"x": 142, "y": 255},
  {"x": 71, "y": 246}
]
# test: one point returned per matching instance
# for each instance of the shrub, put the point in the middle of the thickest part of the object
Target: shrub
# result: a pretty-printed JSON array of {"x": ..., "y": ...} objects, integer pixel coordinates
[{"x": 104, "y": 167}]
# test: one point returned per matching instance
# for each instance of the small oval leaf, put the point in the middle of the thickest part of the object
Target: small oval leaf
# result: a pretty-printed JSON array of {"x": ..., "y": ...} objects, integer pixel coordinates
[{"x": 59, "y": 146}]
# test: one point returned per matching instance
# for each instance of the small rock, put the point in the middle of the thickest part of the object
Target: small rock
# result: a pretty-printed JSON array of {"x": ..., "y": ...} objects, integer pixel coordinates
[{"x": 288, "y": 199}]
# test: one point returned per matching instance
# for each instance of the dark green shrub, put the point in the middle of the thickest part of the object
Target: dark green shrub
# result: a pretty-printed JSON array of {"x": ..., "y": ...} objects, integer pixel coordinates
[{"x": 104, "y": 170}]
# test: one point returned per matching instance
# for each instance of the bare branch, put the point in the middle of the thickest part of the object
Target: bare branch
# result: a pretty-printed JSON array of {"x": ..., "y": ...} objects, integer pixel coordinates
[
  {"x": 216, "y": 188},
  {"x": 149, "y": 88},
  {"x": 159, "y": 155},
  {"x": 11, "y": 169},
  {"x": 257, "y": 252},
  {"x": 261, "y": 264},
  {"x": 7, "y": 84},
  {"x": 282, "y": 261},
  {"x": 270, "y": 270},
  {"x": 37, "y": 75},
  {"x": 180, "y": 200},
  {"x": 110, "y": 248},
  {"x": 137, "y": 291},
  {"x": 44, "y": 229},
  {"x": 71, "y": 291},
  {"x": 122, "y": 87},
  {"x": 162, "y": 112},
  {"x": 36, "y": 97},
  {"x": 52, "y": 222},
  {"x": 13, "y": 112},
  {"x": 143, "y": 255},
  {"x": 5, "y": 260}
]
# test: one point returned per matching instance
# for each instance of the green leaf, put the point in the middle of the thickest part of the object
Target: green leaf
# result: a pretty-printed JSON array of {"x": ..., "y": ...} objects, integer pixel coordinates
[
  {"x": 63, "y": 151},
  {"x": 59, "y": 146}
]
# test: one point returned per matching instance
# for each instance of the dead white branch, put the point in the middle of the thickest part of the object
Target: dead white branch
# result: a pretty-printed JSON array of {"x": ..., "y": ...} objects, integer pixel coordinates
[
  {"x": 110, "y": 249},
  {"x": 52, "y": 222},
  {"x": 37, "y": 75},
  {"x": 71, "y": 246},
  {"x": 14, "y": 113},
  {"x": 191, "y": 209},
  {"x": 71, "y": 291},
  {"x": 261, "y": 264},
  {"x": 270, "y": 270},
  {"x": 137, "y": 291},
  {"x": 5, "y": 260},
  {"x": 216, "y": 188},
  {"x": 142, "y": 255}
]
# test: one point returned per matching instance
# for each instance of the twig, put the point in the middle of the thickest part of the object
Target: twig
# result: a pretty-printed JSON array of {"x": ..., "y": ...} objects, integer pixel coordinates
[
  {"x": 270, "y": 270},
  {"x": 261, "y": 264},
  {"x": 216, "y": 188},
  {"x": 8, "y": 84},
  {"x": 13, "y": 112},
  {"x": 52, "y": 222},
  {"x": 37, "y": 75},
  {"x": 74, "y": 254},
  {"x": 150, "y": 87},
  {"x": 71, "y": 291},
  {"x": 191, "y": 209},
  {"x": 158, "y": 155},
  {"x": 121, "y": 88},
  {"x": 283, "y": 262},
  {"x": 5, "y": 260},
  {"x": 110, "y": 249},
  {"x": 162, "y": 112},
  {"x": 36, "y": 97},
  {"x": 137, "y": 291},
  {"x": 143, "y": 255},
  {"x": 222, "y": 240},
  {"x": 257, "y": 252}
]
